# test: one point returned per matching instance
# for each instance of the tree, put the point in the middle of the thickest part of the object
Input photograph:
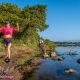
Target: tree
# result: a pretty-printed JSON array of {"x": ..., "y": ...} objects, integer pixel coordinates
[{"x": 31, "y": 19}]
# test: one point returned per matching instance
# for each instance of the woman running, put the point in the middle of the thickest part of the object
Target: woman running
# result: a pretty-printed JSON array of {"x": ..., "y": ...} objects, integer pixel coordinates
[{"x": 7, "y": 31}]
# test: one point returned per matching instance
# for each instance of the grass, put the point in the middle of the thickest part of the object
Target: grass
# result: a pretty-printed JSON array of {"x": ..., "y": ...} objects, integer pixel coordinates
[
  {"x": 19, "y": 45},
  {"x": 1, "y": 61},
  {"x": 24, "y": 58}
]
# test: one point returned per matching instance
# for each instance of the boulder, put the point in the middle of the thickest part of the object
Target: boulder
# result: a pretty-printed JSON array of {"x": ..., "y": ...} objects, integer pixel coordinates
[
  {"x": 78, "y": 61},
  {"x": 69, "y": 70},
  {"x": 72, "y": 52},
  {"x": 53, "y": 54},
  {"x": 45, "y": 55},
  {"x": 61, "y": 58}
]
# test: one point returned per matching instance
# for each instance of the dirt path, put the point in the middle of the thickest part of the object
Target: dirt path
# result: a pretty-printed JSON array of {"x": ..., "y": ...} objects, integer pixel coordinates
[
  {"x": 8, "y": 71},
  {"x": 11, "y": 71}
]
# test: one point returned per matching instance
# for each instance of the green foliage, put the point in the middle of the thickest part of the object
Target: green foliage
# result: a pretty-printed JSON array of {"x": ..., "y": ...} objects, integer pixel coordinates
[
  {"x": 9, "y": 12},
  {"x": 30, "y": 18},
  {"x": 49, "y": 44},
  {"x": 35, "y": 16},
  {"x": 24, "y": 58}
]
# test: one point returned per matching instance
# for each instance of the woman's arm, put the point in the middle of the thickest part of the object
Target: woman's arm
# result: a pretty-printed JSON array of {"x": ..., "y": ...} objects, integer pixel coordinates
[{"x": 17, "y": 24}]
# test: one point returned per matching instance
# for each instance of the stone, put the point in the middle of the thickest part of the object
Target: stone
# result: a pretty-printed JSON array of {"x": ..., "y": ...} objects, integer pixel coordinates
[
  {"x": 78, "y": 61},
  {"x": 53, "y": 54},
  {"x": 61, "y": 58},
  {"x": 72, "y": 52},
  {"x": 45, "y": 55},
  {"x": 69, "y": 70}
]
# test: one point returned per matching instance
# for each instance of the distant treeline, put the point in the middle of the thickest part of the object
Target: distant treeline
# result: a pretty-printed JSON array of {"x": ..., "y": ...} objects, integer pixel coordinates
[{"x": 67, "y": 43}]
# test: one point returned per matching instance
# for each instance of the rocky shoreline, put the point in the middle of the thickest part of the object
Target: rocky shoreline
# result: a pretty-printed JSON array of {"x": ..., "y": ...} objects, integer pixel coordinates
[
  {"x": 19, "y": 72},
  {"x": 27, "y": 68}
]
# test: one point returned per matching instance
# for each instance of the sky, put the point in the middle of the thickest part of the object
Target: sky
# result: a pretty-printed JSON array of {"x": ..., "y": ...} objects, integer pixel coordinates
[{"x": 62, "y": 16}]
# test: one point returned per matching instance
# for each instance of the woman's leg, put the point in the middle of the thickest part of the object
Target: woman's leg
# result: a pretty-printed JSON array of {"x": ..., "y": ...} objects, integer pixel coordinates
[
  {"x": 6, "y": 48},
  {"x": 9, "y": 50}
]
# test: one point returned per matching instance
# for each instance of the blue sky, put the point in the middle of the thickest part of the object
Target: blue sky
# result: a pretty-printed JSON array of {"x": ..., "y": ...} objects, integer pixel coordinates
[{"x": 63, "y": 18}]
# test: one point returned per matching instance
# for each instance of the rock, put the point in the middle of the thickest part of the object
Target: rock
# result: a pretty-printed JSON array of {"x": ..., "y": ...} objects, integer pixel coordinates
[
  {"x": 53, "y": 54},
  {"x": 72, "y": 52},
  {"x": 78, "y": 61},
  {"x": 45, "y": 55},
  {"x": 61, "y": 58},
  {"x": 69, "y": 70}
]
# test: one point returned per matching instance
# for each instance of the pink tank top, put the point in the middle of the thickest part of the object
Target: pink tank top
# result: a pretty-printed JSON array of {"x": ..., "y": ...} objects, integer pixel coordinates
[{"x": 7, "y": 31}]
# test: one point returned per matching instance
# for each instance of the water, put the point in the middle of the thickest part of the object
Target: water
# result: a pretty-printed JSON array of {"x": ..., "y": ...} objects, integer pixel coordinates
[{"x": 50, "y": 69}]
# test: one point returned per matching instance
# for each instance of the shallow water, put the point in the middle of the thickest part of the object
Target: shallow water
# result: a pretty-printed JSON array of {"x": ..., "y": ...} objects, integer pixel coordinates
[{"x": 50, "y": 69}]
